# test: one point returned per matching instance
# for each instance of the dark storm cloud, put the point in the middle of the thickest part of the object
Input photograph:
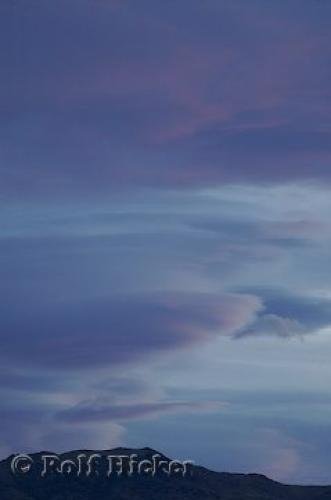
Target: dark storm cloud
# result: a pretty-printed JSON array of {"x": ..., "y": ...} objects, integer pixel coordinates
[
  {"x": 98, "y": 95},
  {"x": 118, "y": 330}
]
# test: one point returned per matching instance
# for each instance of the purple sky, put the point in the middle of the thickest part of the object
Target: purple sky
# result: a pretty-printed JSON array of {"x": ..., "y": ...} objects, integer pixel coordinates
[{"x": 165, "y": 233}]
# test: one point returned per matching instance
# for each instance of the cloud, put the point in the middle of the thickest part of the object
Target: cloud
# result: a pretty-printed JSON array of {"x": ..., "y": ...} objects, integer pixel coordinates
[
  {"x": 288, "y": 315},
  {"x": 198, "y": 101},
  {"x": 118, "y": 330},
  {"x": 33, "y": 428},
  {"x": 277, "y": 233},
  {"x": 96, "y": 412},
  {"x": 270, "y": 324},
  {"x": 285, "y": 458}
]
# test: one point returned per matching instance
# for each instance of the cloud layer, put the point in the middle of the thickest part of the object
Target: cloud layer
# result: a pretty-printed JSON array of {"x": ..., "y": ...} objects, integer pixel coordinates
[
  {"x": 120, "y": 330},
  {"x": 163, "y": 95}
]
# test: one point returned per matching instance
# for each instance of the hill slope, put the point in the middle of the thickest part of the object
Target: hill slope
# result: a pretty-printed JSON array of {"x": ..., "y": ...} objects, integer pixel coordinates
[{"x": 198, "y": 484}]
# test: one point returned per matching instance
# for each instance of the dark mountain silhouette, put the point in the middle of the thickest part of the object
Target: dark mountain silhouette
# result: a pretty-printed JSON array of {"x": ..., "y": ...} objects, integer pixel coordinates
[{"x": 198, "y": 483}]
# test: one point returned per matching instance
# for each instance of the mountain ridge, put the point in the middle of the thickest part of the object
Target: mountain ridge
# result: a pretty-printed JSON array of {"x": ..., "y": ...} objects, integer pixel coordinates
[{"x": 199, "y": 483}]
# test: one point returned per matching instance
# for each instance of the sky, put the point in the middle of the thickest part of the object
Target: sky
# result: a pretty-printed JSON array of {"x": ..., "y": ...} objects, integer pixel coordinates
[{"x": 165, "y": 233}]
